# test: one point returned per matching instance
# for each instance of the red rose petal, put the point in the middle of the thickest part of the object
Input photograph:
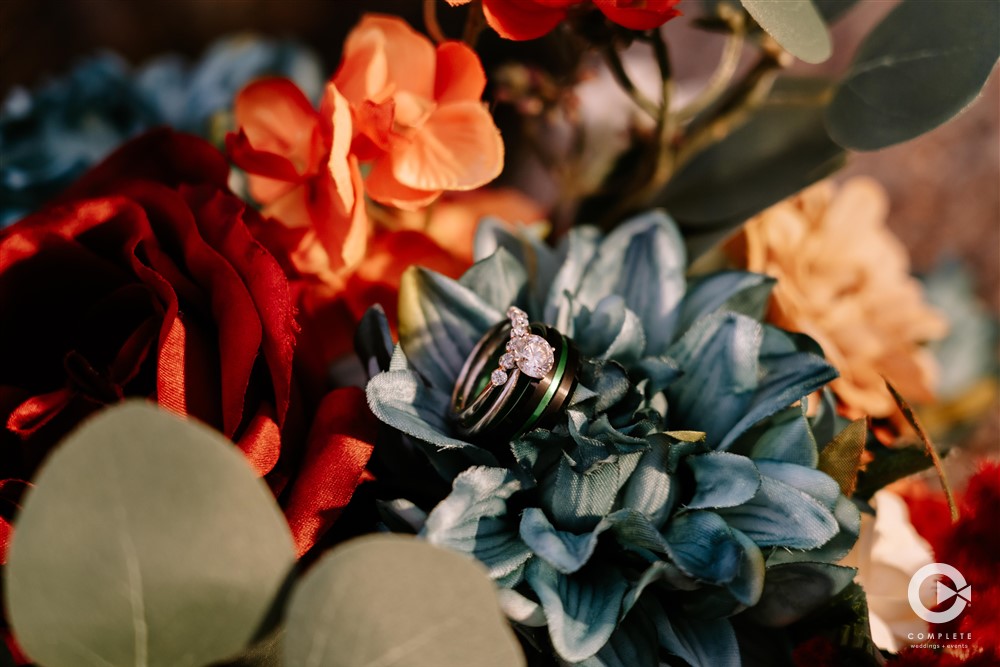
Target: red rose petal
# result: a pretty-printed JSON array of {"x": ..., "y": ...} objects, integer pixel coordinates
[{"x": 340, "y": 444}]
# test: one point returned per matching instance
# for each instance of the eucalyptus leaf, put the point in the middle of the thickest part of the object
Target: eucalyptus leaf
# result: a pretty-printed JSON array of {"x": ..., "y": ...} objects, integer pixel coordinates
[
  {"x": 147, "y": 540},
  {"x": 831, "y": 10},
  {"x": 390, "y": 601},
  {"x": 781, "y": 149},
  {"x": 795, "y": 24},
  {"x": 921, "y": 66}
]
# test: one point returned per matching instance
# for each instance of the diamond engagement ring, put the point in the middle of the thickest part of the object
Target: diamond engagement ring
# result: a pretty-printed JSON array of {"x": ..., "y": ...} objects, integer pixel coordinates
[{"x": 534, "y": 373}]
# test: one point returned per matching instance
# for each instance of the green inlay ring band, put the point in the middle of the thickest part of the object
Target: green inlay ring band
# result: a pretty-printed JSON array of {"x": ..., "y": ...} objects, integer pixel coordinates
[{"x": 496, "y": 413}]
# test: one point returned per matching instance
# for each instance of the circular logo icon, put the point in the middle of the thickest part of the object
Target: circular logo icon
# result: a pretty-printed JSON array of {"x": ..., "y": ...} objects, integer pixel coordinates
[{"x": 960, "y": 590}]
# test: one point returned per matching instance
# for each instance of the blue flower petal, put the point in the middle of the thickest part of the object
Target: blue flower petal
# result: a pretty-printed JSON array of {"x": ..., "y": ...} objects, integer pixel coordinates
[
  {"x": 440, "y": 322},
  {"x": 473, "y": 519},
  {"x": 702, "y": 546},
  {"x": 610, "y": 331},
  {"x": 736, "y": 291},
  {"x": 718, "y": 356},
  {"x": 529, "y": 249},
  {"x": 565, "y": 551},
  {"x": 781, "y": 515},
  {"x": 700, "y": 641},
  {"x": 576, "y": 250},
  {"x": 643, "y": 260},
  {"x": 577, "y": 502},
  {"x": 788, "y": 438},
  {"x": 401, "y": 399},
  {"x": 722, "y": 480},
  {"x": 499, "y": 280},
  {"x": 582, "y": 609},
  {"x": 788, "y": 377}
]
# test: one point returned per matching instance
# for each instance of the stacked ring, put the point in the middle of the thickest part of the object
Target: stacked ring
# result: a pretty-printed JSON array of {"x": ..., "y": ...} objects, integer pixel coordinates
[{"x": 534, "y": 376}]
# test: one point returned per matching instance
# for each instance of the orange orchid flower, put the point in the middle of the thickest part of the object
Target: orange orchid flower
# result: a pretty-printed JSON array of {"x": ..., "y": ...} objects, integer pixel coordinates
[
  {"x": 417, "y": 113},
  {"x": 530, "y": 19},
  {"x": 299, "y": 168}
]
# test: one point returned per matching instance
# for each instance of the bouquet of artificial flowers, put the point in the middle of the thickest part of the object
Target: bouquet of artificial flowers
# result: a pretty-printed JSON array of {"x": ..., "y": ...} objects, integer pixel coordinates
[{"x": 433, "y": 363}]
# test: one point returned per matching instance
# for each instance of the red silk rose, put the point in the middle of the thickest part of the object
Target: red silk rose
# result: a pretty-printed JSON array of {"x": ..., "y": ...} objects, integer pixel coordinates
[
  {"x": 144, "y": 280},
  {"x": 531, "y": 19}
]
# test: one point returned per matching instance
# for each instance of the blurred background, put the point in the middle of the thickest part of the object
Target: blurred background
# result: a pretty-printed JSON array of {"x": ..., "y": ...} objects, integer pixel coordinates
[{"x": 944, "y": 186}]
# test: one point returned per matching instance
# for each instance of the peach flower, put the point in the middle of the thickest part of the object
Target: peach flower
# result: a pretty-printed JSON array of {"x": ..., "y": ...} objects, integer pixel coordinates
[
  {"x": 844, "y": 279},
  {"x": 439, "y": 238},
  {"x": 299, "y": 168},
  {"x": 417, "y": 113}
]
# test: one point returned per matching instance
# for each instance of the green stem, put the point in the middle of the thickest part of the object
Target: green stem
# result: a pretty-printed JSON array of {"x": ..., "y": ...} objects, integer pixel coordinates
[{"x": 431, "y": 22}]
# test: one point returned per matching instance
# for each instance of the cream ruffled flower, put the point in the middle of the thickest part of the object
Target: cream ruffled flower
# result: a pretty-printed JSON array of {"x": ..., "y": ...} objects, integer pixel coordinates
[
  {"x": 844, "y": 279},
  {"x": 887, "y": 553}
]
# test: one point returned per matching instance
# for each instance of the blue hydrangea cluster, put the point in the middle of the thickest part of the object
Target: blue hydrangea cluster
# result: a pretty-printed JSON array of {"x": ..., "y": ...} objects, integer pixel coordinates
[
  {"x": 50, "y": 135},
  {"x": 676, "y": 505}
]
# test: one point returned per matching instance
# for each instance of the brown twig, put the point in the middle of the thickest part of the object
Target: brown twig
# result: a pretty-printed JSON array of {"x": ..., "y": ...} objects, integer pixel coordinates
[
  {"x": 736, "y": 106},
  {"x": 621, "y": 76},
  {"x": 911, "y": 418},
  {"x": 431, "y": 21},
  {"x": 475, "y": 21},
  {"x": 724, "y": 71}
]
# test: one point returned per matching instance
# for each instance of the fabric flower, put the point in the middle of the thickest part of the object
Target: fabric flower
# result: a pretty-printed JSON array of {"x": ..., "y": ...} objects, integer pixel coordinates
[
  {"x": 300, "y": 169},
  {"x": 844, "y": 280},
  {"x": 530, "y": 19},
  {"x": 144, "y": 280},
  {"x": 417, "y": 112},
  {"x": 889, "y": 551},
  {"x": 678, "y": 490},
  {"x": 439, "y": 238},
  {"x": 971, "y": 545},
  {"x": 52, "y": 134}
]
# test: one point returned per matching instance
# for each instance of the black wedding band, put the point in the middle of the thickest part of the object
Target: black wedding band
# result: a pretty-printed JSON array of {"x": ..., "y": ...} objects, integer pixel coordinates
[{"x": 482, "y": 410}]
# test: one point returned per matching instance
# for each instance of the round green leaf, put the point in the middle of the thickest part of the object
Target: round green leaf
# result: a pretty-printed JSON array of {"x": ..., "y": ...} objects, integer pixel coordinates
[
  {"x": 923, "y": 64},
  {"x": 389, "y": 601},
  {"x": 795, "y": 24},
  {"x": 147, "y": 540}
]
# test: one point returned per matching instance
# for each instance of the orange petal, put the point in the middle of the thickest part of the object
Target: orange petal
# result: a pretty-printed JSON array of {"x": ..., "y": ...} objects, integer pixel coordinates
[
  {"x": 277, "y": 118},
  {"x": 383, "y": 187},
  {"x": 353, "y": 238},
  {"x": 458, "y": 148},
  {"x": 455, "y": 218},
  {"x": 383, "y": 52},
  {"x": 374, "y": 123},
  {"x": 336, "y": 108},
  {"x": 523, "y": 19},
  {"x": 459, "y": 74}
]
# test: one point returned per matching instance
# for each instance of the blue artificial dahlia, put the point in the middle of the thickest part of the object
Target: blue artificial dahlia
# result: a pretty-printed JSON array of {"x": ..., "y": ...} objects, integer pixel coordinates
[{"x": 677, "y": 502}]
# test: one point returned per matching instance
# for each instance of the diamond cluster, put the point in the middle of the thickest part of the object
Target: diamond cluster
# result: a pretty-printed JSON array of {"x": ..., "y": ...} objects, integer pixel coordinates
[{"x": 529, "y": 353}]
